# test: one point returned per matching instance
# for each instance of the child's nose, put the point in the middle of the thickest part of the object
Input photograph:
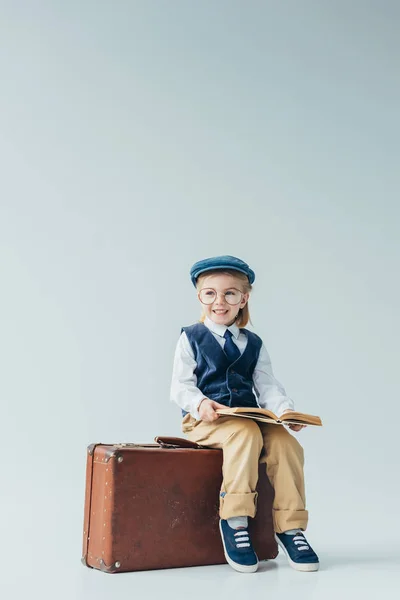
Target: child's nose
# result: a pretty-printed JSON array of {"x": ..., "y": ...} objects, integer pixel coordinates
[{"x": 220, "y": 299}]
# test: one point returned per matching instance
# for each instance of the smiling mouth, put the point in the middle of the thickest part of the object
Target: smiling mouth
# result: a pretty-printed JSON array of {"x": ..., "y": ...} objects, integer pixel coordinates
[{"x": 220, "y": 312}]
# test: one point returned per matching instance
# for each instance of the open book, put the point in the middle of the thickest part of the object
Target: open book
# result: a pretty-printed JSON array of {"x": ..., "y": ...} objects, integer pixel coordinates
[{"x": 267, "y": 416}]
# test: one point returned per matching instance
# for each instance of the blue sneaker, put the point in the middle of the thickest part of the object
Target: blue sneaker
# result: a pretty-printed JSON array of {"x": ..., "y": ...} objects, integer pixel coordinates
[
  {"x": 298, "y": 551},
  {"x": 238, "y": 549}
]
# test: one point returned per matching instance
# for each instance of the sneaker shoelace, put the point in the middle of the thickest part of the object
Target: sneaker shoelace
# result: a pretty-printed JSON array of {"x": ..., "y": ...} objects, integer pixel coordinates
[
  {"x": 242, "y": 539},
  {"x": 301, "y": 542}
]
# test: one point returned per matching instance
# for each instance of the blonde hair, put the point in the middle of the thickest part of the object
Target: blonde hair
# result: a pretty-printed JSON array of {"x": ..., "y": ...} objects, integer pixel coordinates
[{"x": 244, "y": 314}]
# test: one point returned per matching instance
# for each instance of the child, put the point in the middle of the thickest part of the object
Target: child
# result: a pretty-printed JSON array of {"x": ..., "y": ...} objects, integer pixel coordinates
[{"x": 219, "y": 363}]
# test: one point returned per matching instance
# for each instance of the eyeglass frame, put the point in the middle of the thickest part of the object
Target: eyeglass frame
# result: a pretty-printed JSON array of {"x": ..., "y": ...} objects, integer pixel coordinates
[{"x": 224, "y": 294}]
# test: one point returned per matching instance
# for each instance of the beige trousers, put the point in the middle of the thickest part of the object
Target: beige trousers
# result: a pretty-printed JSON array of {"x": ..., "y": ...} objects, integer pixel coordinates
[{"x": 245, "y": 443}]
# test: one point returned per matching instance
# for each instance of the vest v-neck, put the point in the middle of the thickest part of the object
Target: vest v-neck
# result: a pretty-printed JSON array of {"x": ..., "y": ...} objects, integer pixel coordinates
[{"x": 222, "y": 350}]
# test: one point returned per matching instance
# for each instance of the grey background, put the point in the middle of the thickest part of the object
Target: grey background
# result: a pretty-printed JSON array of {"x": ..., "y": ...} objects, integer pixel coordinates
[{"x": 137, "y": 138}]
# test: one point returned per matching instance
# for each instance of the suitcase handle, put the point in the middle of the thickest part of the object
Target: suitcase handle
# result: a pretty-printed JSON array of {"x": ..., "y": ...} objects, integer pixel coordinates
[
  {"x": 175, "y": 442},
  {"x": 162, "y": 441}
]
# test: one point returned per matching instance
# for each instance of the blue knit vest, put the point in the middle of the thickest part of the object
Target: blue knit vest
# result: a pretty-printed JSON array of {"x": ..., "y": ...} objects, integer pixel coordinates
[{"x": 218, "y": 379}]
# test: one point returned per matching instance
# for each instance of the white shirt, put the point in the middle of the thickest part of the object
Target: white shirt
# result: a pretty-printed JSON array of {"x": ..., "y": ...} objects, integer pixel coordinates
[{"x": 269, "y": 392}]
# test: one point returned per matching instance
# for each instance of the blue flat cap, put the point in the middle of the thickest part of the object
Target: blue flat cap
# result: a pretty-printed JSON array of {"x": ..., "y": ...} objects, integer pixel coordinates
[{"x": 221, "y": 262}]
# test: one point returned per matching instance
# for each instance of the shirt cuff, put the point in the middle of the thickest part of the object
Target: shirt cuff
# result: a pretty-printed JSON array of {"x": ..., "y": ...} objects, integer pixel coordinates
[
  {"x": 284, "y": 406},
  {"x": 195, "y": 409}
]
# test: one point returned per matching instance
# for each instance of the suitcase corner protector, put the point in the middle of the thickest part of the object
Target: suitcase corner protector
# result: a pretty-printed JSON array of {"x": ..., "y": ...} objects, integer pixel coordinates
[
  {"x": 91, "y": 448},
  {"x": 113, "y": 568},
  {"x": 85, "y": 562}
]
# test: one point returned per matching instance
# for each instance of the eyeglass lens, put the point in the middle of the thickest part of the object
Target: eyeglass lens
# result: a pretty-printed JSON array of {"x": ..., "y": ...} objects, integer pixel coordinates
[{"x": 209, "y": 295}]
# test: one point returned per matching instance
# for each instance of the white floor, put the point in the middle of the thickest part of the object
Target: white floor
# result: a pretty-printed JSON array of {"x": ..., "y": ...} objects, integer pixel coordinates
[{"x": 368, "y": 573}]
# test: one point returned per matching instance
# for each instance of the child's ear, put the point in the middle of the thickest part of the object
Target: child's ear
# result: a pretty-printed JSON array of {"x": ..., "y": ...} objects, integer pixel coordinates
[{"x": 244, "y": 300}]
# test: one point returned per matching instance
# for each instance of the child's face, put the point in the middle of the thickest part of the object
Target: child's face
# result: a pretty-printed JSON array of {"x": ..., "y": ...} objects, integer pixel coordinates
[{"x": 220, "y": 311}]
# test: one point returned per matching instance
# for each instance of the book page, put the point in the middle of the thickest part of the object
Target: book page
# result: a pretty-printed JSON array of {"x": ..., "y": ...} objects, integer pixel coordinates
[
  {"x": 250, "y": 411},
  {"x": 260, "y": 414},
  {"x": 301, "y": 418}
]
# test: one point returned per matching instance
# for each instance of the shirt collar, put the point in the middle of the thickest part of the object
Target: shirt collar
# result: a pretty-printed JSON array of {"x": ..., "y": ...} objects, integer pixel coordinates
[{"x": 220, "y": 329}]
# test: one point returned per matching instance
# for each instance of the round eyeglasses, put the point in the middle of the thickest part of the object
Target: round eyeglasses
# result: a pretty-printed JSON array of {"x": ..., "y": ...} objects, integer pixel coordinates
[{"x": 209, "y": 295}]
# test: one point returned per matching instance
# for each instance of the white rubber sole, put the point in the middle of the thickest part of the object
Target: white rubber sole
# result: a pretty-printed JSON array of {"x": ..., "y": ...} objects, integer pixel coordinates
[
  {"x": 298, "y": 566},
  {"x": 233, "y": 564}
]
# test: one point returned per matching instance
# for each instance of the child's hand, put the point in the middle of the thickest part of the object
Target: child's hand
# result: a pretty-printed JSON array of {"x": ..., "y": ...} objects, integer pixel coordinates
[
  {"x": 207, "y": 410},
  {"x": 292, "y": 426},
  {"x": 295, "y": 427}
]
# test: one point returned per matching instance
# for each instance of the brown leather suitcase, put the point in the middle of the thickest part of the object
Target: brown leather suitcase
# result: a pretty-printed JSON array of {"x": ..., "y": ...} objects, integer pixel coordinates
[{"x": 155, "y": 506}]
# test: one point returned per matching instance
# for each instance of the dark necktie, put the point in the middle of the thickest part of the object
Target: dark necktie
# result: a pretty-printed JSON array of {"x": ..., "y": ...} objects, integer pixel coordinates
[{"x": 230, "y": 348}]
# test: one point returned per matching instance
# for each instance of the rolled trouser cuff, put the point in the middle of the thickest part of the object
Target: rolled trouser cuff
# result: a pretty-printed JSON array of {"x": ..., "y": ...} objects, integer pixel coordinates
[
  {"x": 289, "y": 519},
  {"x": 238, "y": 505}
]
